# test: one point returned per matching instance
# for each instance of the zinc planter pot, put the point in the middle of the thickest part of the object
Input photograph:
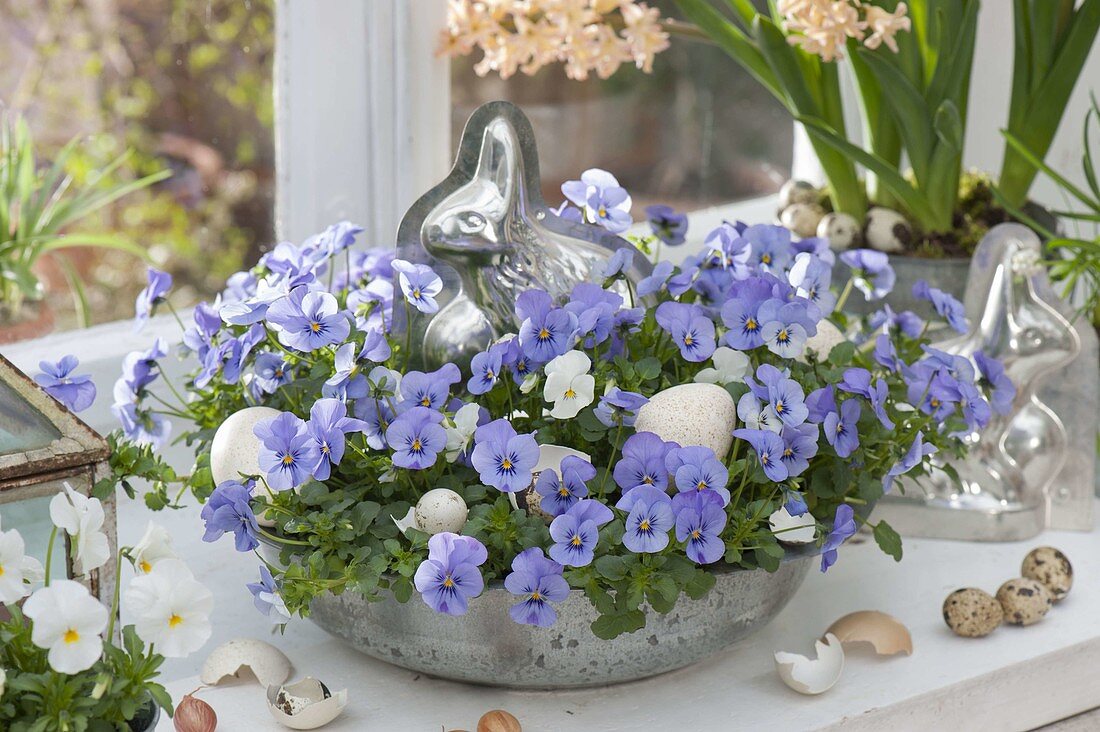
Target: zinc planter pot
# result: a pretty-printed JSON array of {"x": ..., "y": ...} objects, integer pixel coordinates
[{"x": 486, "y": 647}]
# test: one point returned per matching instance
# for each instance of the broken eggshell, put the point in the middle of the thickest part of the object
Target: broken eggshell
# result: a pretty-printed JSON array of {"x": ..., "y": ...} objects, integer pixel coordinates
[
  {"x": 266, "y": 662},
  {"x": 790, "y": 529},
  {"x": 409, "y": 522},
  {"x": 883, "y": 632},
  {"x": 305, "y": 704},
  {"x": 550, "y": 457},
  {"x": 812, "y": 675}
]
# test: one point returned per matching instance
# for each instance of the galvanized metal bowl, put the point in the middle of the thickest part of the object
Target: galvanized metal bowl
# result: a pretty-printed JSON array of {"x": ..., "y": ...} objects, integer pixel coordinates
[{"x": 486, "y": 647}]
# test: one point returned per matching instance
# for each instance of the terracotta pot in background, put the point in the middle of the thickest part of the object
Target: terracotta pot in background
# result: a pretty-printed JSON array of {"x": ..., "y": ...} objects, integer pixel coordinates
[{"x": 35, "y": 320}]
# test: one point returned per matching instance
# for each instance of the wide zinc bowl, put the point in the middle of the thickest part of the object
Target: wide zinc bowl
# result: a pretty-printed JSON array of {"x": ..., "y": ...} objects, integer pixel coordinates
[{"x": 486, "y": 647}]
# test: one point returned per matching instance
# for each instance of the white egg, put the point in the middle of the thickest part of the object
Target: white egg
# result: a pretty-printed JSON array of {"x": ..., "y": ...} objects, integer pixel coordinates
[
  {"x": 802, "y": 218},
  {"x": 550, "y": 457},
  {"x": 235, "y": 450},
  {"x": 797, "y": 191},
  {"x": 812, "y": 675},
  {"x": 440, "y": 510},
  {"x": 691, "y": 414},
  {"x": 887, "y": 230},
  {"x": 305, "y": 704},
  {"x": 792, "y": 529},
  {"x": 841, "y": 229},
  {"x": 827, "y": 336},
  {"x": 266, "y": 662}
]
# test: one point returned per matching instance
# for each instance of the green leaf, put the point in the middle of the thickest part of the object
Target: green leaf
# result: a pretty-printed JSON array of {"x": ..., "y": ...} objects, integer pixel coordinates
[
  {"x": 607, "y": 627},
  {"x": 648, "y": 368},
  {"x": 842, "y": 353},
  {"x": 888, "y": 540},
  {"x": 700, "y": 583},
  {"x": 611, "y": 567}
]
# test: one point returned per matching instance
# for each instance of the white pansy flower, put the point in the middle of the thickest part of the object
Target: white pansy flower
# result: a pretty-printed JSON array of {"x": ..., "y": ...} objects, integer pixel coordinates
[
  {"x": 81, "y": 517},
  {"x": 13, "y": 566},
  {"x": 171, "y": 609},
  {"x": 3, "y": 682},
  {"x": 461, "y": 430},
  {"x": 758, "y": 415},
  {"x": 530, "y": 381},
  {"x": 569, "y": 385},
  {"x": 729, "y": 366},
  {"x": 67, "y": 623},
  {"x": 154, "y": 547}
]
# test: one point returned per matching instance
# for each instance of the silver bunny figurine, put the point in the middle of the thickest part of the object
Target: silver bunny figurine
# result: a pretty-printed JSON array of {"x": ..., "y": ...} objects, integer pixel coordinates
[
  {"x": 1003, "y": 483},
  {"x": 487, "y": 224}
]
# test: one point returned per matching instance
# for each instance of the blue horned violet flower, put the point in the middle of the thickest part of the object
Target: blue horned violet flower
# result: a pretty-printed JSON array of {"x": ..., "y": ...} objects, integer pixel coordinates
[
  {"x": 576, "y": 532},
  {"x": 227, "y": 510},
  {"x": 270, "y": 371},
  {"x": 75, "y": 391},
  {"x": 154, "y": 293},
  {"x": 771, "y": 247},
  {"x": 621, "y": 261},
  {"x": 841, "y": 429},
  {"x": 1002, "y": 390},
  {"x": 784, "y": 395},
  {"x": 420, "y": 284},
  {"x": 769, "y": 450},
  {"x": 811, "y": 277},
  {"x": 648, "y": 520},
  {"x": 819, "y": 403},
  {"x": 757, "y": 415},
  {"x": 731, "y": 251},
  {"x": 885, "y": 354},
  {"x": 539, "y": 582},
  {"x": 416, "y": 438},
  {"x": 449, "y": 578},
  {"x": 844, "y": 527},
  {"x": 656, "y": 282},
  {"x": 595, "y": 309},
  {"x": 913, "y": 457},
  {"x": 308, "y": 320},
  {"x": 336, "y": 238},
  {"x": 502, "y": 458},
  {"x": 604, "y": 201},
  {"x": 799, "y": 445},
  {"x": 287, "y": 453},
  {"x": 266, "y": 596},
  {"x": 559, "y": 494},
  {"x": 430, "y": 390},
  {"x": 696, "y": 469},
  {"x": 785, "y": 326},
  {"x": 741, "y": 314},
  {"x": 667, "y": 225},
  {"x": 618, "y": 407},
  {"x": 691, "y": 330},
  {"x": 871, "y": 272},
  {"x": 486, "y": 368},
  {"x": 643, "y": 461},
  {"x": 700, "y": 519},
  {"x": 546, "y": 332},
  {"x": 378, "y": 415},
  {"x": 906, "y": 322},
  {"x": 858, "y": 381},
  {"x": 372, "y": 306},
  {"x": 329, "y": 426},
  {"x": 141, "y": 368},
  {"x": 947, "y": 306}
]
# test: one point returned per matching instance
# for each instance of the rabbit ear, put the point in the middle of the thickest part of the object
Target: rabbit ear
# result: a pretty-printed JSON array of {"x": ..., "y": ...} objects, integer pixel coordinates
[{"x": 500, "y": 165}]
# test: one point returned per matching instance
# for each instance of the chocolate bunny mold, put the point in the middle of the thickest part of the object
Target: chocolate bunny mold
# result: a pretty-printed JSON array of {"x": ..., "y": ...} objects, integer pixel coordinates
[{"x": 491, "y": 236}]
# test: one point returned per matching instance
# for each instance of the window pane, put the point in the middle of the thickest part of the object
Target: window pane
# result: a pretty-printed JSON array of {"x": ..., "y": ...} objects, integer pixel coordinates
[
  {"x": 698, "y": 131},
  {"x": 186, "y": 86}
]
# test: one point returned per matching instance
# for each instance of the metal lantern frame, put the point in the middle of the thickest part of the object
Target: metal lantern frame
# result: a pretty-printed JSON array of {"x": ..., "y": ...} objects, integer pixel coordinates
[{"x": 79, "y": 456}]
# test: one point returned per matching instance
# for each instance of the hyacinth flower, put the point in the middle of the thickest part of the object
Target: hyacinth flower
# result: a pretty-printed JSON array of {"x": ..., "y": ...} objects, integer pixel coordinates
[
  {"x": 667, "y": 225},
  {"x": 700, "y": 518},
  {"x": 841, "y": 429},
  {"x": 154, "y": 293},
  {"x": 430, "y": 390},
  {"x": 287, "y": 453},
  {"x": 560, "y": 494},
  {"x": 546, "y": 332},
  {"x": 769, "y": 448},
  {"x": 449, "y": 578},
  {"x": 577, "y": 531},
  {"x": 871, "y": 272},
  {"x": 618, "y": 407},
  {"x": 539, "y": 582},
  {"x": 308, "y": 320},
  {"x": 329, "y": 426},
  {"x": 420, "y": 285},
  {"x": 844, "y": 527},
  {"x": 227, "y": 510},
  {"x": 643, "y": 461},
  {"x": 648, "y": 520},
  {"x": 75, "y": 391},
  {"x": 503, "y": 458},
  {"x": 416, "y": 438},
  {"x": 1002, "y": 392},
  {"x": 691, "y": 330}
]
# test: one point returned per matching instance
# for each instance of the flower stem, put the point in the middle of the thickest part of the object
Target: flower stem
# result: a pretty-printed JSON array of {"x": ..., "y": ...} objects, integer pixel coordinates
[
  {"x": 281, "y": 540},
  {"x": 49, "y": 556},
  {"x": 844, "y": 294},
  {"x": 114, "y": 598}
]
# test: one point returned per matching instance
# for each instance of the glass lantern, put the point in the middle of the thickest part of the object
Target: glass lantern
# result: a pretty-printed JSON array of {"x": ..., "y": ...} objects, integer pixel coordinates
[{"x": 42, "y": 447}]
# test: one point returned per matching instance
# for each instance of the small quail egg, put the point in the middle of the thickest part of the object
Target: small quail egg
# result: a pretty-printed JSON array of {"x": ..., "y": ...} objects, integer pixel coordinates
[
  {"x": 530, "y": 500},
  {"x": 305, "y": 704},
  {"x": 972, "y": 613},
  {"x": 887, "y": 230},
  {"x": 1024, "y": 601},
  {"x": 440, "y": 510},
  {"x": 802, "y": 218},
  {"x": 1051, "y": 567},
  {"x": 797, "y": 191},
  {"x": 841, "y": 229}
]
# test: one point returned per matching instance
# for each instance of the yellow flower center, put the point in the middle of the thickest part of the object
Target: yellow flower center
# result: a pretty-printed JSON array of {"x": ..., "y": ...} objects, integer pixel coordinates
[
  {"x": 576, "y": 540},
  {"x": 766, "y": 258},
  {"x": 644, "y": 526},
  {"x": 71, "y": 636},
  {"x": 782, "y": 336},
  {"x": 1, "y": 570},
  {"x": 425, "y": 401},
  {"x": 544, "y": 334},
  {"x": 416, "y": 445},
  {"x": 506, "y": 464},
  {"x": 288, "y": 459},
  {"x": 448, "y": 582},
  {"x": 779, "y": 407},
  {"x": 701, "y": 485},
  {"x": 315, "y": 327},
  {"x": 688, "y": 340},
  {"x": 750, "y": 324},
  {"x": 145, "y": 566},
  {"x": 602, "y": 212},
  {"x": 788, "y": 452},
  {"x": 174, "y": 620},
  {"x": 563, "y": 492},
  {"x": 535, "y": 595},
  {"x": 416, "y": 293},
  {"x": 570, "y": 394},
  {"x": 934, "y": 402},
  {"x": 696, "y": 534},
  {"x": 765, "y": 459}
]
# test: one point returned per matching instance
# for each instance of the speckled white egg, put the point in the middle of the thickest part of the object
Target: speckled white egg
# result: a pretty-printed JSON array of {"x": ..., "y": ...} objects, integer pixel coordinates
[
  {"x": 1024, "y": 601},
  {"x": 887, "y": 230},
  {"x": 1051, "y": 567},
  {"x": 972, "y": 613},
  {"x": 797, "y": 191},
  {"x": 235, "y": 450},
  {"x": 802, "y": 218},
  {"x": 841, "y": 229},
  {"x": 440, "y": 510},
  {"x": 691, "y": 414},
  {"x": 827, "y": 336}
]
